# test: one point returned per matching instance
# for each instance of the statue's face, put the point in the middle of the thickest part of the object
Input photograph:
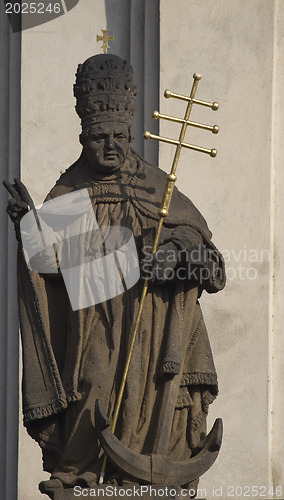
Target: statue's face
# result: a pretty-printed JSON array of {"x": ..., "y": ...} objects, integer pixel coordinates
[{"x": 106, "y": 146}]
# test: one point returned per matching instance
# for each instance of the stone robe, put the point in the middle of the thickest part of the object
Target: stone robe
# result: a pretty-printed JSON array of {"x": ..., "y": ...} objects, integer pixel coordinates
[{"x": 71, "y": 358}]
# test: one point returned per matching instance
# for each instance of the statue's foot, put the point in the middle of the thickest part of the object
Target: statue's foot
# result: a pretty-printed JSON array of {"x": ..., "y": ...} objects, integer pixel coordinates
[{"x": 50, "y": 487}]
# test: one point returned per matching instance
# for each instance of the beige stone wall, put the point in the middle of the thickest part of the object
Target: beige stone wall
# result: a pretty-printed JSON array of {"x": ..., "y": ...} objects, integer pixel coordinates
[
  {"x": 277, "y": 236},
  {"x": 232, "y": 45},
  {"x": 236, "y": 45}
]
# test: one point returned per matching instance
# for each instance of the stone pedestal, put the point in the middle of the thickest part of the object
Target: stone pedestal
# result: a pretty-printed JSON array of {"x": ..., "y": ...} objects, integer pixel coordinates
[{"x": 148, "y": 492}]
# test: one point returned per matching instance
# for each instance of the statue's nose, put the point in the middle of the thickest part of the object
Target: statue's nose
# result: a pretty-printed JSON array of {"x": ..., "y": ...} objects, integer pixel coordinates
[{"x": 110, "y": 141}]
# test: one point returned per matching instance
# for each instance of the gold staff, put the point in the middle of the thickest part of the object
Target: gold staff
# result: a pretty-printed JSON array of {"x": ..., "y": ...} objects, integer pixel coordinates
[{"x": 163, "y": 211}]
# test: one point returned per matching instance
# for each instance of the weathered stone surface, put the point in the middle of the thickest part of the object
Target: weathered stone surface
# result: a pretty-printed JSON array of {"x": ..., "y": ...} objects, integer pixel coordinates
[
  {"x": 163, "y": 492},
  {"x": 75, "y": 356}
]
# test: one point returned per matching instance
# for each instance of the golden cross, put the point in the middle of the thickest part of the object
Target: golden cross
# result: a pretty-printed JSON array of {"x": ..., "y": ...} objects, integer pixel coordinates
[
  {"x": 185, "y": 122},
  {"x": 105, "y": 38},
  {"x": 164, "y": 208}
]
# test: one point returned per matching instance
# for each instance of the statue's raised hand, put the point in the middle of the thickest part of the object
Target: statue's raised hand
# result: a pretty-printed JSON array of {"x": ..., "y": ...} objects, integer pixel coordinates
[{"x": 21, "y": 201}]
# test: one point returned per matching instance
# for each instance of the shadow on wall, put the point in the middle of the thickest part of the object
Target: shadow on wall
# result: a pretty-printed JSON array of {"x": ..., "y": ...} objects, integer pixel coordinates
[
  {"x": 135, "y": 25},
  {"x": 35, "y": 13}
]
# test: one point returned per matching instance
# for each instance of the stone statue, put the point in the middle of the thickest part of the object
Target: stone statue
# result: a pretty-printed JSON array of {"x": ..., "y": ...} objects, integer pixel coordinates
[{"x": 75, "y": 356}]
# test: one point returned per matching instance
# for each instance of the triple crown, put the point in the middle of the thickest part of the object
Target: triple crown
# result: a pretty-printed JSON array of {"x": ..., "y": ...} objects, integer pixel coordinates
[{"x": 105, "y": 89}]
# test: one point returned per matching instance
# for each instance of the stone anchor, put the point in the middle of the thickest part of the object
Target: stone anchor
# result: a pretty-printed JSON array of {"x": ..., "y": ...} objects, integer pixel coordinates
[{"x": 157, "y": 468}]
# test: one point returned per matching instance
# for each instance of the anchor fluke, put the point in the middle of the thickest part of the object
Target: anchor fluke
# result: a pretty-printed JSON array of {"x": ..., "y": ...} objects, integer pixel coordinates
[{"x": 155, "y": 468}]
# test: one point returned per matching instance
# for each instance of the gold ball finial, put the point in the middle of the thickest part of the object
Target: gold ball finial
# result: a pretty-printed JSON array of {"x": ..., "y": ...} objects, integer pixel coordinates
[
  {"x": 147, "y": 134},
  {"x": 197, "y": 76},
  {"x": 167, "y": 93},
  {"x": 156, "y": 115},
  {"x": 215, "y": 129},
  {"x": 215, "y": 106},
  {"x": 213, "y": 153}
]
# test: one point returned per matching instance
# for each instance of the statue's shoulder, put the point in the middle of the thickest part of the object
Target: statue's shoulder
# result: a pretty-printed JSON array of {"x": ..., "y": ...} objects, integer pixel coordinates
[
  {"x": 149, "y": 181},
  {"x": 68, "y": 181},
  {"x": 149, "y": 190}
]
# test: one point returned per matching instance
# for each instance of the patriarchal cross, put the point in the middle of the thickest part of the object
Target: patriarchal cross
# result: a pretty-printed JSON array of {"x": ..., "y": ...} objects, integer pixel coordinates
[{"x": 105, "y": 39}]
